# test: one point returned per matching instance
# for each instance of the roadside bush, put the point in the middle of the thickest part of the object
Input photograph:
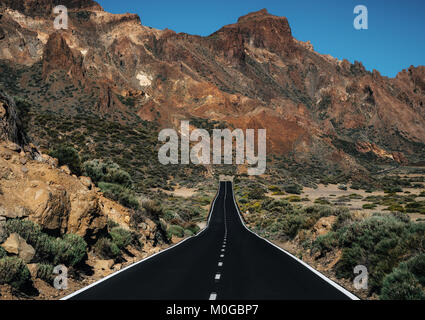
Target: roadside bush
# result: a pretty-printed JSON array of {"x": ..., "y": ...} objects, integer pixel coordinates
[
  {"x": 193, "y": 228},
  {"x": 379, "y": 242},
  {"x": 108, "y": 171},
  {"x": 119, "y": 193},
  {"x": 175, "y": 230},
  {"x": 70, "y": 250},
  {"x": 121, "y": 237},
  {"x": 343, "y": 218},
  {"x": 106, "y": 249},
  {"x": 401, "y": 285},
  {"x": 188, "y": 233},
  {"x": 13, "y": 271},
  {"x": 3, "y": 253},
  {"x": 325, "y": 243},
  {"x": 25, "y": 228},
  {"x": 281, "y": 219},
  {"x": 67, "y": 155},
  {"x": 416, "y": 266},
  {"x": 32, "y": 234},
  {"x": 45, "y": 272}
]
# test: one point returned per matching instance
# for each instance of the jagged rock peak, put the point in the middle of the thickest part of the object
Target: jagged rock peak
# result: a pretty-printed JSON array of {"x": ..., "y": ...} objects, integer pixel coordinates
[{"x": 45, "y": 7}]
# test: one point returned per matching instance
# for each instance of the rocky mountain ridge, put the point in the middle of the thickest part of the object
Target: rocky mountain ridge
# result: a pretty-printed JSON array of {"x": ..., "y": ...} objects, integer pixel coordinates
[{"x": 317, "y": 110}]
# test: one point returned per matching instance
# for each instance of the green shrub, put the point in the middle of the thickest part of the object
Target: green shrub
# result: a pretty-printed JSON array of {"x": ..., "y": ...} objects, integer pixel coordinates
[
  {"x": 110, "y": 172},
  {"x": 169, "y": 215},
  {"x": 67, "y": 155},
  {"x": 416, "y": 265},
  {"x": 70, "y": 250},
  {"x": 293, "y": 199},
  {"x": 112, "y": 224},
  {"x": 13, "y": 271},
  {"x": 175, "y": 230},
  {"x": 25, "y": 228},
  {"x": 193, "y": 228},
  {"x": 325, "y": 243},
  {"x": 3, "y": 252},
  {"x": 32, "y": 234},
  {"x": 380, "y": 242},
  {"x": 188, "y": 233},
  {"x": 45, "y": 272},
  {"x": 369, "y": 206},
  {"x": 322, "y": 201},
  {"x": 395, "y": 208},
  {"x": 256, "y": 193},
  {"x": 293, "y": 188},
  {"x": 355, "y": 196},
  {"x": 106, "y": 249},
  {"x": 121, "y": 237},
  {"x": 119, "y": 193},
  {"x": 401, "y": 285},
  {"x": 343, "y": 218},
  {"x": 351, "y": 257}
]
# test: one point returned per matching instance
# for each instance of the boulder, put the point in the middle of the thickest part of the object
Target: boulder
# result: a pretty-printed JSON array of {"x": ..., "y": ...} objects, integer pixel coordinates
[
  {"x": 324, "y": 225},
  {"x": 86, "y": 181},
  {"x": 65, "y": 169},
  {"x": 86, "y": 217},
  {"x": 15, "y": 244},
  {"x": 51, "y": 206}
]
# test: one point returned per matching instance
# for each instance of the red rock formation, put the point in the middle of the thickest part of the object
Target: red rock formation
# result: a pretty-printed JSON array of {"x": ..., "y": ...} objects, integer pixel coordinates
[
  {"x": 252, "y": 73},
  {"x": 59, "y": 56}
]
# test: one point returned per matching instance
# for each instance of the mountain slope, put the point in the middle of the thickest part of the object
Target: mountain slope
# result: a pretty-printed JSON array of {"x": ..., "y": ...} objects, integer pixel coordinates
[{"x": 318, "y": 111}]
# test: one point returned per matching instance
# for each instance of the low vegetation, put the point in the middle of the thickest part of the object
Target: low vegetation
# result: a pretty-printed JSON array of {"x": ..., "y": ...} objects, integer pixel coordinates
[
  {"x": 69, "y": 250},
  {"x": 389, "y": 243}
]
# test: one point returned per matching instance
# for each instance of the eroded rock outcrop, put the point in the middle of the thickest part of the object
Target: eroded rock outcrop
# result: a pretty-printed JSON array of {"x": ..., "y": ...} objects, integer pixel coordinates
[
  {"x": 10, "y": 124},
  {"x": 33, "y": 187}
]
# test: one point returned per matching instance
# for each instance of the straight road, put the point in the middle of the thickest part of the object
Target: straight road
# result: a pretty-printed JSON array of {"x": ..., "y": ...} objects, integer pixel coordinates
[{"x": 224, "y": 262}]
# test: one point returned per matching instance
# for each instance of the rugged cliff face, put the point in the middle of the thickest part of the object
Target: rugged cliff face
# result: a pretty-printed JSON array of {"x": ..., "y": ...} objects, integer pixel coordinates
[
  {"x": 251, "y": 74},
  {"x": 10, "y": 124},
  {"x": 32, "y": 186}
]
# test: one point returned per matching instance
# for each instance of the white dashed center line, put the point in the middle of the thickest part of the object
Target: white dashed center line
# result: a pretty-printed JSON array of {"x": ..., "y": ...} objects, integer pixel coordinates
[
  {"x": 217, "y": 276},
  {"x": 213, "y": 296},
  {"x": 220, "y": 264}
]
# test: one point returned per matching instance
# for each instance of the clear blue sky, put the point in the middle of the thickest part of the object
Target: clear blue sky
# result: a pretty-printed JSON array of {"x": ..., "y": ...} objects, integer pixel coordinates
[{"x": 394, "y": 41}]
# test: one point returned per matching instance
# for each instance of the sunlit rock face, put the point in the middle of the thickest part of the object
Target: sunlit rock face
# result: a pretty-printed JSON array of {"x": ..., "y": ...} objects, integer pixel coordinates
[{"x": 250, "y": 74}]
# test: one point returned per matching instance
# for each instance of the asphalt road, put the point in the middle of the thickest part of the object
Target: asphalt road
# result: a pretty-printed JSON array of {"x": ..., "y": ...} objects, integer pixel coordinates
[{"x": 224, "y": 262}]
